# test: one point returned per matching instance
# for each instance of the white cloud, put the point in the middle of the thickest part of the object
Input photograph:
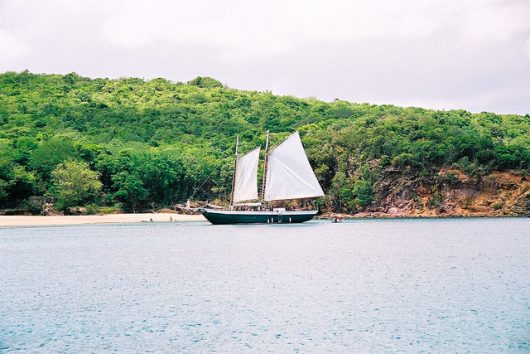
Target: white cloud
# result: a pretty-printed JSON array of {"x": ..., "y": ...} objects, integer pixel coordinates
[
  {"x": 493, "y": 20},
  {"x": 11, "y": 48},
  {"x": 266, "y": 26},
  {"x": 527, "y": 47},
  {"x": 439, "y": 52}
]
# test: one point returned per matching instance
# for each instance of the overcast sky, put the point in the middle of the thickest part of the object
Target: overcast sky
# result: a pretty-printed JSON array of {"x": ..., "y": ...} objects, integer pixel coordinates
[{"x": 471, "y": 54}]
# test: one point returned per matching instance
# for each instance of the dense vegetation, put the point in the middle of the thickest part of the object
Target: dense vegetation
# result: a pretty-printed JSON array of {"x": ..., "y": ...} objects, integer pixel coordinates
[{"x": 147, "y": 144}]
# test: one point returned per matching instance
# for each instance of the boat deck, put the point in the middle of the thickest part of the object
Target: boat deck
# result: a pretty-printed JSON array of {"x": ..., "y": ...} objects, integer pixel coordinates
[{"x": 257, "y": 216}]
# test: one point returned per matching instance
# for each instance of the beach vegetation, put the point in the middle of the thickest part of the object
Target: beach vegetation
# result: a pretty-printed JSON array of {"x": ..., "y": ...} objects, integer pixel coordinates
[
  {"x": 153, "y": 143},
  {"x": 74, "y": 183}
]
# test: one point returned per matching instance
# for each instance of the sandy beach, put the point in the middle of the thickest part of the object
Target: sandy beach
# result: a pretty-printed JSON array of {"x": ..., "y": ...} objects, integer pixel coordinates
[{"x": 29, "y": 221}]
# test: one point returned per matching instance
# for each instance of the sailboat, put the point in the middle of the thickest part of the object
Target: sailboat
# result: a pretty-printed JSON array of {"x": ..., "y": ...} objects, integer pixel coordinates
[{"x": 287, "y": 175}]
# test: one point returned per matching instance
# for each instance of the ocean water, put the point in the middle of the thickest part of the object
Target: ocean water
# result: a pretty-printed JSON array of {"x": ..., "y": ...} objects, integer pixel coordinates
[{"x": 460, "y": 285}]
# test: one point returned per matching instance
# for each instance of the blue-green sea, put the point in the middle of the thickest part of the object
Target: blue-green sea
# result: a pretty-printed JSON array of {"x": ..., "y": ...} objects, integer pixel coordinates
[{"x": 459, "y": 285}]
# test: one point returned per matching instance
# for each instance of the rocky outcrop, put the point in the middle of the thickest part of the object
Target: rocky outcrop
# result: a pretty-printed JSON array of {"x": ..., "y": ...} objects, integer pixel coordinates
[
  {"x": 450, "y": 192},
  {"x": 522, "y": 205}
]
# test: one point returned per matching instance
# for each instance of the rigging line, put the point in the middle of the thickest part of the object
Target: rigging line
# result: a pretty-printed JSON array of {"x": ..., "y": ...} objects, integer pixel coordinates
[
  {"x": 265, "y": 158},
  {"x": 196, "y": 189},
  {"x": 235, "y": 171}
]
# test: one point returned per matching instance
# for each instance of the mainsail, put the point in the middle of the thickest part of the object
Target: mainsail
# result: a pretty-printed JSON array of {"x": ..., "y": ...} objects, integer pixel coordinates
[
  {"x": 289, "y": 174},
  {"x": 246, "y": 177}
]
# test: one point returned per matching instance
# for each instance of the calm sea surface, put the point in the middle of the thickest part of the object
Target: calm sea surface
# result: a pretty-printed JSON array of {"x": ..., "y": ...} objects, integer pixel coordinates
[{"x": 364, "y": 286}]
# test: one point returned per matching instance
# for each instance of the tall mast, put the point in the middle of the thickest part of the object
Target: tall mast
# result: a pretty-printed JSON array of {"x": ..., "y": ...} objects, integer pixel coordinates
[
  {"x": 265, "y": 168},
  {"x": 234, "y": 176}
]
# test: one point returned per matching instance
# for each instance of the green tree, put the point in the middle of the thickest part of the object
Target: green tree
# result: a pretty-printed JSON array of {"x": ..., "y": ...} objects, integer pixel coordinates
[
  {"x": 156, "y": 142},
  {"x": 3, "y": 190},
  {"x": 6, "y": 168},
  {"x": 362, "y": 190},
  {"x": 205, "y": 82},
  {"x": 23, "y": 184},
  {"x": 74, "y": 183},
  {"x": 52, "y": 152},
  {"x": 16, "y": 184},
  {"x": 129, "y": 189}
]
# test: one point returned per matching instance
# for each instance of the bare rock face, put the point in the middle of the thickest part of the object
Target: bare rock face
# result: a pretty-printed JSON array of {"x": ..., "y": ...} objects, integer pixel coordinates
[
  {"x": 393, "y": 211},
  {"x": 48, "y": 208},
  {"x": 451, "y": 192},
  {"x": 522, "y": 205}
]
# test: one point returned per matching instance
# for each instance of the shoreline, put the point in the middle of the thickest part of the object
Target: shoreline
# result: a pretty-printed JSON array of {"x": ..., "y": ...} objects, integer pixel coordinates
[
  {"x": 8, "y": 221},
  {"x": 379, "y": 215},
  {"x": 12, "y": 221}
]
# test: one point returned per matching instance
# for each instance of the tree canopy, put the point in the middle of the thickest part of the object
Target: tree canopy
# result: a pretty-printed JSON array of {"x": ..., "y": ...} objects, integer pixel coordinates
[
  {"x": 154, "y": 143},
  {"x": 74, "y": 183}
]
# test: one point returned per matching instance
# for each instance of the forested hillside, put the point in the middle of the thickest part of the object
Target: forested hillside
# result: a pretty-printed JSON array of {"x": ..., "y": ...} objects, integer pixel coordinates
[{"x": 135, "y": 144}]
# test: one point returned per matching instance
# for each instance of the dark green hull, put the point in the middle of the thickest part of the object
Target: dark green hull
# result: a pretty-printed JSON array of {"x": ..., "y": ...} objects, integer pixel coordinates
[{"x": 257, "y": 217}]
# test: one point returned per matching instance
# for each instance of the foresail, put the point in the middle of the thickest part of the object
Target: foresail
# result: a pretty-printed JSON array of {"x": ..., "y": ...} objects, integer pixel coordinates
[
  {"x": 289, "y": 174},
  {"x": 246, "y": 177}
]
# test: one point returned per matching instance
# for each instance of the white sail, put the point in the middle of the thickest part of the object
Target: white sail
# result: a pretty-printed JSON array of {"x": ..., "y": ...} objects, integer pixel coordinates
[
  {"x": 246, "y": 177},
  {"x": 289, "y": 174}
]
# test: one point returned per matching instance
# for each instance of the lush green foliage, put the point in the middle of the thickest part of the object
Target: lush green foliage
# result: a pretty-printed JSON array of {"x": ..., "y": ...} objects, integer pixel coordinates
[
  {"x": 155, "y": 143},
  {"x": 74, "y": 183}
]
